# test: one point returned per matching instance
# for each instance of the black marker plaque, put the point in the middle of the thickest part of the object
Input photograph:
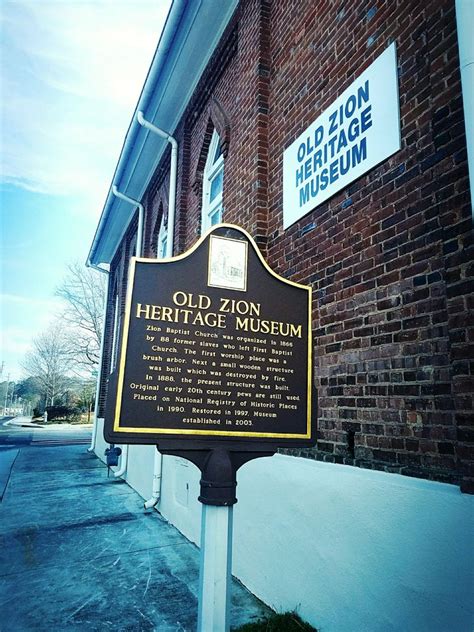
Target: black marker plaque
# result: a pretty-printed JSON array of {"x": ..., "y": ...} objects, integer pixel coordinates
[{"x": 215, "y": 346}]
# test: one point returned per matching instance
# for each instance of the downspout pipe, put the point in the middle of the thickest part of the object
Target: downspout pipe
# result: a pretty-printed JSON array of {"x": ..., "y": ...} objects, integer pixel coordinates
[
  {"x": 101, "y": 357},
  {"x": 156, "y": 489},
  {"x": 141, "y": 217},
  {"x": 139, "y": 252},
  {"x": 465, "y": 28},
  {"x": 173, "y": 173},
  {"x": 158, "y": 459}
]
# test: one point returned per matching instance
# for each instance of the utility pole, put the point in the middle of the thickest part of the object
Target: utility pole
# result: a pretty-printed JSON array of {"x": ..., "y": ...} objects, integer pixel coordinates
[
  {"x": 12, "y": 394},
  {"x": 6, "y": 395}
]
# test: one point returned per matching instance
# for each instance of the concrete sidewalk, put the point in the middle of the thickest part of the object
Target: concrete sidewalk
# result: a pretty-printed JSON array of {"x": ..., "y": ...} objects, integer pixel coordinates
[
  {"x": 77, "y": 552},
  {"x": 22, "y": 422}
]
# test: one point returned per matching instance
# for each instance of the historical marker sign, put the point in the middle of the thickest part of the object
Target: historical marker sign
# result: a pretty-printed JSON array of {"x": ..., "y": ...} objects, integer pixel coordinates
[{"x": 215, "y": 346}]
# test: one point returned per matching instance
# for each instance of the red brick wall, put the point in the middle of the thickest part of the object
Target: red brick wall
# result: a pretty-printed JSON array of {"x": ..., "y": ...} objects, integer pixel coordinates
[
  {"x": 389, "y": 257},
  {"x": 117, "y": 287},
  {"x": 392, "y": 394}
]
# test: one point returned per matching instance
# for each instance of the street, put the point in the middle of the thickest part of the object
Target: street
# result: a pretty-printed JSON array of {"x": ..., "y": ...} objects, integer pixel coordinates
[{"x": 21, "y": 433}]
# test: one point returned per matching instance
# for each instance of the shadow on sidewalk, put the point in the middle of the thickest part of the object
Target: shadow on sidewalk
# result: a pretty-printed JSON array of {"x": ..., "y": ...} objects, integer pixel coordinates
[{"x": 77, "y": 552}]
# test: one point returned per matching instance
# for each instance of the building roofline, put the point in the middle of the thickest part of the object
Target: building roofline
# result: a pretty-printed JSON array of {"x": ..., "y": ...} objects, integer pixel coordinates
[{"x": 192, "y": 31}]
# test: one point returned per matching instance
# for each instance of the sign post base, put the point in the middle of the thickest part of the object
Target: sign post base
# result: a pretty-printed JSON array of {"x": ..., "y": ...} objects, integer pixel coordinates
[{"x": 218, "y": 495}]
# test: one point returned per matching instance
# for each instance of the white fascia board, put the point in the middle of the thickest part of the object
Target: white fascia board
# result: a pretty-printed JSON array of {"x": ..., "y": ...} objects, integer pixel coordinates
[{"x": 188, "y": 44}]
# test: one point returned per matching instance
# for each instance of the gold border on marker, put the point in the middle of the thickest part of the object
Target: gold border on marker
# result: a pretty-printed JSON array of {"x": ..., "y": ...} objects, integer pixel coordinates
[{"x": 209, "y": 433}]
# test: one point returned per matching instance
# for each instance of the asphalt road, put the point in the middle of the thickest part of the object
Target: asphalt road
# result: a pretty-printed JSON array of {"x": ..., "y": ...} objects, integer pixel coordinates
[{"x": 18, "y": 433}]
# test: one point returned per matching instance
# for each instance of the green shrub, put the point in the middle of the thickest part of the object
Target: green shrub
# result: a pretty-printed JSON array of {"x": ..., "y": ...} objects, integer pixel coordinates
[
  {"x": 67, "y": 413},
  {"x": 36, "y": 412},
  {"x": 58, "y": 412}
]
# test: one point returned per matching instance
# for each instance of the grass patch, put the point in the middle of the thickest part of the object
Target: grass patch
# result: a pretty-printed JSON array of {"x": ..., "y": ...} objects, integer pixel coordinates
[{"x": 286, "y": 622}]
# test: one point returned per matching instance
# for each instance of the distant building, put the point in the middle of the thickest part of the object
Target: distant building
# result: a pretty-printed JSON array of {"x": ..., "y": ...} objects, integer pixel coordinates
[{"x": 334, "y": 133}]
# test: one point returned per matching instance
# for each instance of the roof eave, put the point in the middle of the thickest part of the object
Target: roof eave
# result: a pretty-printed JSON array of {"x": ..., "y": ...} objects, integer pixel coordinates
[{"x": 187, "y": 22}]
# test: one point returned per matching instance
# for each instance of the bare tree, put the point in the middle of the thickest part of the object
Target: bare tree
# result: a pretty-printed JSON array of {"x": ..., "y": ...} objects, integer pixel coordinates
[
  {"x": 83, "y": 290},
  {"x": 86, "y": 396},
  {"x": 49, "y": 362}
]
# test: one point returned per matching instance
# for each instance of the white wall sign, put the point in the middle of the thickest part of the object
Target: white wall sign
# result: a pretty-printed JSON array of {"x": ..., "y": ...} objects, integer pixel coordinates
[{"x": 358, "y": 131}]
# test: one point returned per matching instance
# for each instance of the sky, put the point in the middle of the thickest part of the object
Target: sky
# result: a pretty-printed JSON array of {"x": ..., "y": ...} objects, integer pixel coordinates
[{"x": 71, "y": 75}]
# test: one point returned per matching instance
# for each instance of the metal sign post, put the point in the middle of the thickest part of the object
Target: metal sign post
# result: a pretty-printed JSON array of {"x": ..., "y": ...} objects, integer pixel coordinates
[
  {"x": 218, "y": 485},
  {"x": 218, "y": 496},
  {"x": 216, "y": 568}
]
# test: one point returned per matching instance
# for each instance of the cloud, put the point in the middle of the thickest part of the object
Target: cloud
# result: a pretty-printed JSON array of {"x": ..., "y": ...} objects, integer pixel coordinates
[
  {"x": 18, "y": 328},
  {"x": 15, "y": 341},
  {"x": 17, "y": 309},
  {"x": 30, "y": 302},
  {"x": 73, "y": 73}
]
